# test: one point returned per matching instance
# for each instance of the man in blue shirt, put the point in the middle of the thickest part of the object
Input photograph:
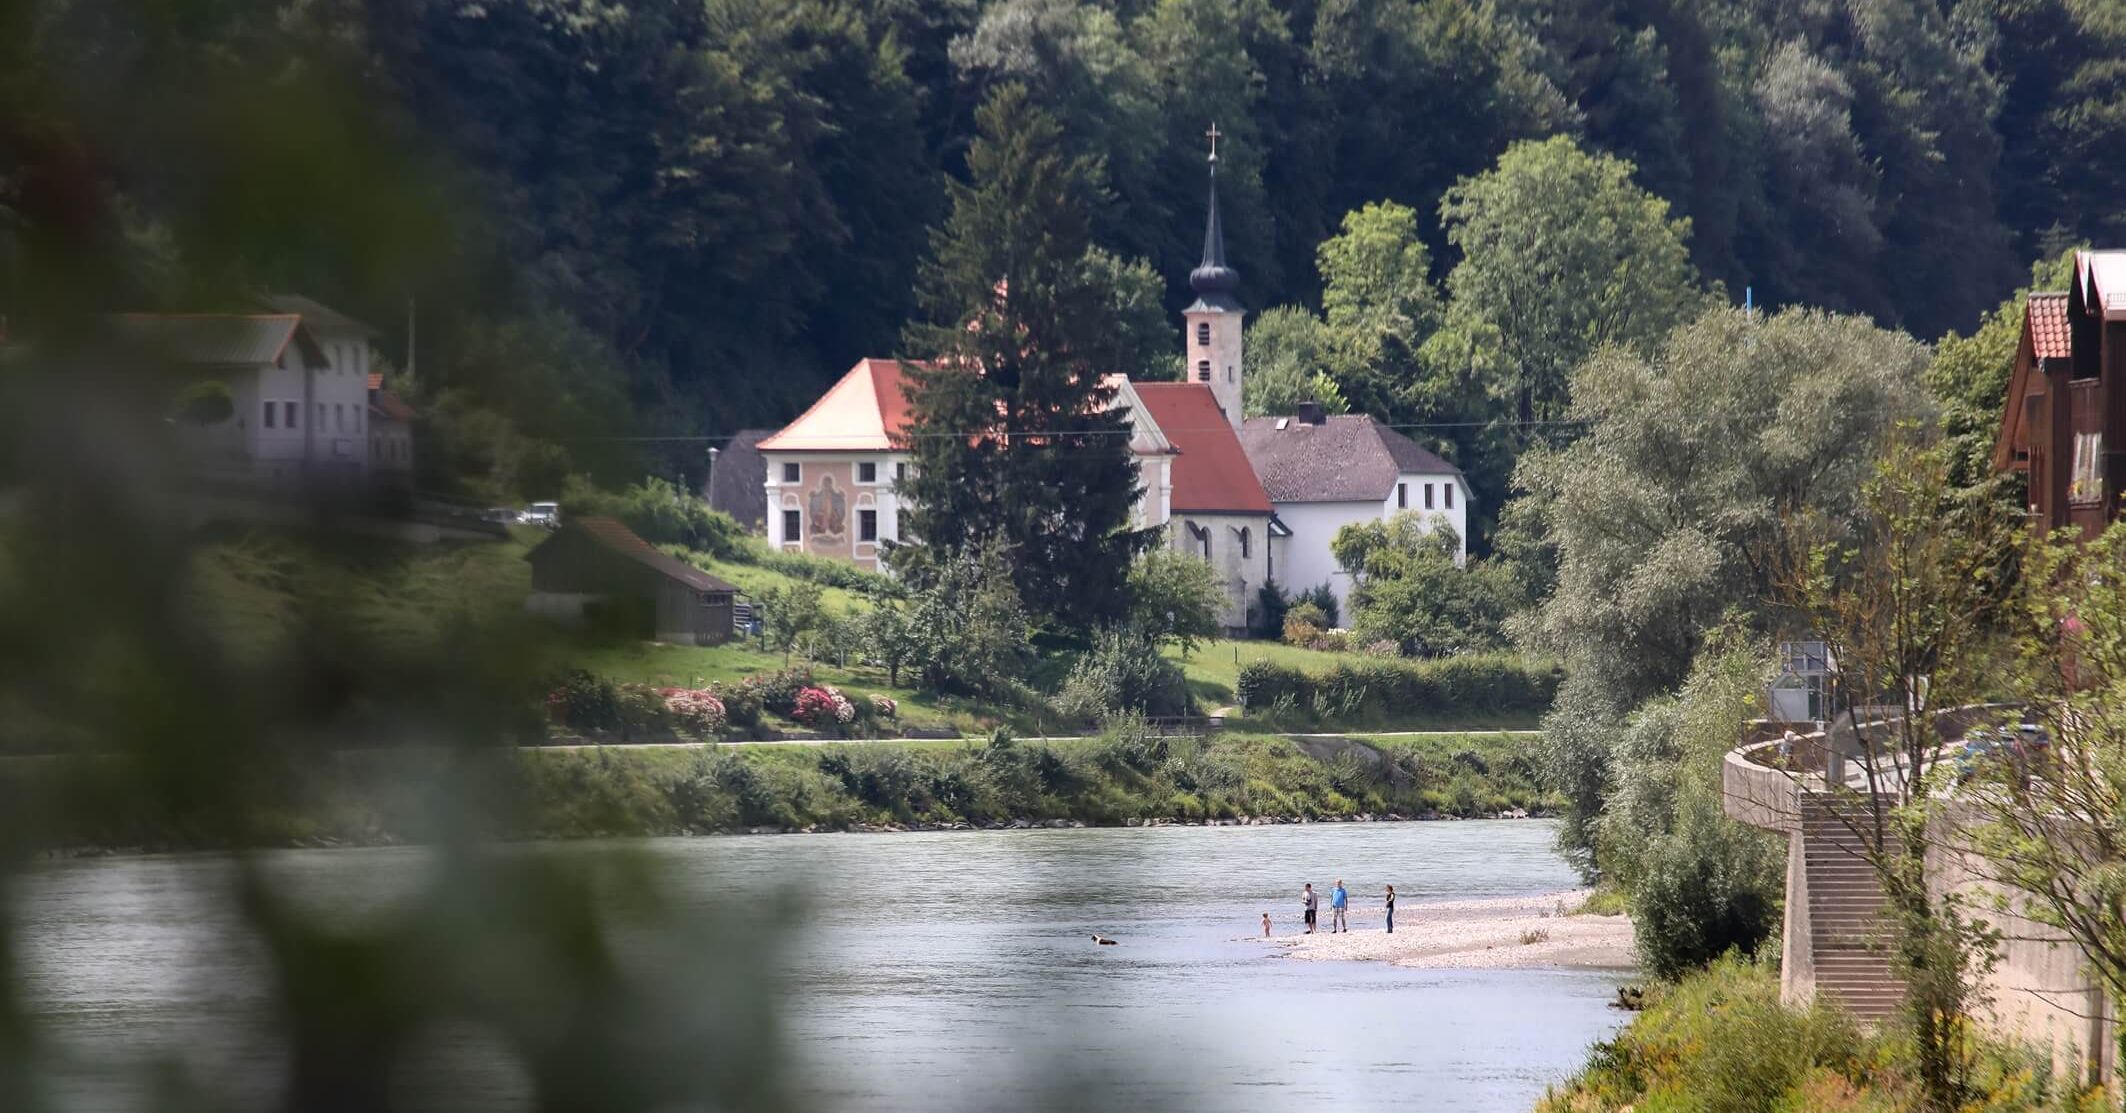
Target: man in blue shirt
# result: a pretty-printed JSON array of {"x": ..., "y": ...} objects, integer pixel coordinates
[{"x": 1338, "y": 902}]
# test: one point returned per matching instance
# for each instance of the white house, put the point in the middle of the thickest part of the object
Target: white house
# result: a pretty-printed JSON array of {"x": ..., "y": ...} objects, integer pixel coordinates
[
  {"x": 1324, "y": 472},
  {"x": 297, "y": 381},
  {"x": 832, "y": 474}
]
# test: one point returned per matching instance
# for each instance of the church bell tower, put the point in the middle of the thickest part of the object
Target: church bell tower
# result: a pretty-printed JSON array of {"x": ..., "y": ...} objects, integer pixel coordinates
[{"x": 1212, "y": 335}]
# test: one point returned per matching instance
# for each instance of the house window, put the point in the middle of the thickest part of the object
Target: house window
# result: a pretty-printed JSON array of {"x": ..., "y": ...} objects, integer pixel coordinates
[
  {"x": 1246, "y": 542},
  {"x": 1402, "y": 496},
  {"x": 1447, "y": 489},
  {"x": 1428, "y": 496},
  {"x": 1203, "y": 334},
  {"x": 900, "y": 472},
  {"x": 789, "y": 473},
  {"x": 791, "y": 526},
  {"x": 339, "y": 417},
  {"x": 1202, "y": 538},
  {"x": 867, "y": 472},
  {"x": 270, "y": 407},
  {"x": 1228, "y": 372},
  {"x": 319, "y": 419},
  {"x": 867, "y": 525},
  {"x": 290, "y": 414},
  {"x": 1203, "y": 370},
  {"x": 357, "y": 419},
  {"x": 2087, "y": 484}
]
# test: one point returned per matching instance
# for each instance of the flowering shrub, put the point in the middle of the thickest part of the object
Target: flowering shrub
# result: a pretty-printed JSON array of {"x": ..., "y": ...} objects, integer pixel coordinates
[
  {"x": 883, "y": 707},
  {"x": 642, "y": 711},
  {"x": 1385, "y": 647},
  {"x": 822, "y": 706},
  {"x": 779, "y": 690},
  {"x": 695, "y": 711},
  {"x": 743, "y": 702},
  {"x": 584, "y": 701}
]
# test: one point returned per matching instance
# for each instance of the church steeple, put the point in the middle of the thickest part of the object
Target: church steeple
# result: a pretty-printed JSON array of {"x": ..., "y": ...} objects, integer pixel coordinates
[
  {"x": 1212, "y": 339},
  {"x": 1214, "y": 281}
]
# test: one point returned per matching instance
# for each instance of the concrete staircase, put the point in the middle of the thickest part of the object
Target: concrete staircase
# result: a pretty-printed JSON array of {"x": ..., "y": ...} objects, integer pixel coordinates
[{"x": 1846, "y": 914}]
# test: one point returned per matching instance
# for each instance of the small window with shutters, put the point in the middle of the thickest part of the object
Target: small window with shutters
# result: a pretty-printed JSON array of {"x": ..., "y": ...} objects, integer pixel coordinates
[
  {"x": 1203, "y": 370},
  {"x": 1203, "y": 334}
]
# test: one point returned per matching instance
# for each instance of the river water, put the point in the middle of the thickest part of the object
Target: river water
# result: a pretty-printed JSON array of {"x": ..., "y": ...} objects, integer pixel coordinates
[{"x": 950, "y": 971}]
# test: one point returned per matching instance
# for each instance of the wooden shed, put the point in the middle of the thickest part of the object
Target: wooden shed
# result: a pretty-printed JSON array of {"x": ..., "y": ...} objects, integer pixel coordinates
[
  {"x": 2065, "y": 419},
  {"x": 597, "y": 571}
]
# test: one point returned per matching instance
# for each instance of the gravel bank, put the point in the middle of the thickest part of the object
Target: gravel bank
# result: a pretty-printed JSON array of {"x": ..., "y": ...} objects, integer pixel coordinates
[{"x": 1496, "y": 933}]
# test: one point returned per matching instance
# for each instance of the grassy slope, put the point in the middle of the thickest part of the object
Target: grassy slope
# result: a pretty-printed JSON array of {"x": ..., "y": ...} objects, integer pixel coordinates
[{"x": 250, "y": 587}]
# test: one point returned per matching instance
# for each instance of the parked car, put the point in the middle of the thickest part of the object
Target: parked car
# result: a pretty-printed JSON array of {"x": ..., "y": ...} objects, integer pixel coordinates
[
  {"x": 546, "y": 514},
  {"x": 2021, "y": 746}
]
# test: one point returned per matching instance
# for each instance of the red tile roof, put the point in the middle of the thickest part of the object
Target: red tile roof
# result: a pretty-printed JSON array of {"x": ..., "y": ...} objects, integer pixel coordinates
[
  {"x": 863, "y": 412},
  {"x": 1211, "y": 473},
  {"x": 2045, "y": 315}
]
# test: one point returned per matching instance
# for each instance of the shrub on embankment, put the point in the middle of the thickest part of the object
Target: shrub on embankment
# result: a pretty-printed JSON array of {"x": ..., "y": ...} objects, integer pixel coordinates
[
  {"x": 1720, "y": 1041},
  {"x": 1125, "y": 776},
  {"x": 1489, "y": 684}
]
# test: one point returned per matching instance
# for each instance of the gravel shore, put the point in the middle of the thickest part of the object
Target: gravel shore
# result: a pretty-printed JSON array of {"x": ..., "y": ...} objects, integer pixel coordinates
[{"x": 1496, "y": 933}]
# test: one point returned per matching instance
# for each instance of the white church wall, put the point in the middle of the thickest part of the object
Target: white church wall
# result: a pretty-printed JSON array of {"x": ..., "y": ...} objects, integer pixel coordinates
[{"x": 1243, "y": 564}]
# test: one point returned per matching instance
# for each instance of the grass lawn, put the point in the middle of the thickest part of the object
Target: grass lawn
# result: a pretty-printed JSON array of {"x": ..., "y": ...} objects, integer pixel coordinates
[{"x": 1213, "y": 670}]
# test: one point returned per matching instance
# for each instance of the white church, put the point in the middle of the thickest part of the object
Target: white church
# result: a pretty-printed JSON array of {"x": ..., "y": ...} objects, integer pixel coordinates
[{"x": 1259, "y": 498}]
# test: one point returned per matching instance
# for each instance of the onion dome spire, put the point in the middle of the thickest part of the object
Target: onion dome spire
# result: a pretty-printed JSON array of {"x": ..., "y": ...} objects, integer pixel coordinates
[{"x": 1214, "y": 281}]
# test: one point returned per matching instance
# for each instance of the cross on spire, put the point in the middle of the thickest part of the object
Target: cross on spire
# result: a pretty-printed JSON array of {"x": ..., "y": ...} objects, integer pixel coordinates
[{"x": 1214, "y": 135}]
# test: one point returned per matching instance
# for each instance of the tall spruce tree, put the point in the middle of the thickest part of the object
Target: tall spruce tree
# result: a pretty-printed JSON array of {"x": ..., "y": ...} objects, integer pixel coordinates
[{"x": 1012, "y": 436}]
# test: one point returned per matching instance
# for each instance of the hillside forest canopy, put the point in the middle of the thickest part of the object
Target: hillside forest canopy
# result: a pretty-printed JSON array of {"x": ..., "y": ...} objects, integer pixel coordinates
[{"x": 673, "y": 219}]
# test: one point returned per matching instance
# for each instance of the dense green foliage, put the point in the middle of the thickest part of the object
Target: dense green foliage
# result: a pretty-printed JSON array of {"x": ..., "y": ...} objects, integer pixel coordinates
[
  {"x": 1720, "y": 1041},
  {"x": 1411, "y": 593},
  {"x": 691, "y": 216},
  {"x": 1352, "y": 691},
  {"x": 1672, "y": 509}
]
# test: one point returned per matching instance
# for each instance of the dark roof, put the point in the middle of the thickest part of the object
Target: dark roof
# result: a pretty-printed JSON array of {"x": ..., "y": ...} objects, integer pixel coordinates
[
  {"x": 611, "y": 535},
  {"x": 738, "y": 482},
  {"x": 208, "y": 339},
  {"x": 315, "y": 314},
  {"x": 1347, "y": 458},
  {"x": 1213, "y": 279},
  {"x": 1211, "y": 473},
  {"x": 385, "y": 404}
]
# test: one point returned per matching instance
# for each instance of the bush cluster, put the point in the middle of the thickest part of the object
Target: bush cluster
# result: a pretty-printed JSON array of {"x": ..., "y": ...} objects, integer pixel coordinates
[
  {"x": 1122, "y": 672},
  {"x": 1488, "y": 683}
]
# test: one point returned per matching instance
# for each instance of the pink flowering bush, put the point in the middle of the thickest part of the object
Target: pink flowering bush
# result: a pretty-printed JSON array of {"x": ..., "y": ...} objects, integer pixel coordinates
[
  {"x": 695, "y": 711},
  {"x": 883, "y": 707},
  {"x": 822, "y": 706}
]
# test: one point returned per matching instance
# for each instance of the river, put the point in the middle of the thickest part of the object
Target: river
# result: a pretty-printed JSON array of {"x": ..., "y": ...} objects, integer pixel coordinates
[{"x": 949, "y": 971}]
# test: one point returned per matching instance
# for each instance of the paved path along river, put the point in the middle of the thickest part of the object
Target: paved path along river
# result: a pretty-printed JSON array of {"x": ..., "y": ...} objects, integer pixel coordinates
[{"x": 954, "y": 971}]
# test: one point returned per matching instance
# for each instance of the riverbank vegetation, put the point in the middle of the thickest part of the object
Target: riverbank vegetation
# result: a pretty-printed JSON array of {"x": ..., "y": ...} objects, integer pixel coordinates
[
  {"x": 1720, "y": 1041},
  {"x": 1124, "y": 776}
]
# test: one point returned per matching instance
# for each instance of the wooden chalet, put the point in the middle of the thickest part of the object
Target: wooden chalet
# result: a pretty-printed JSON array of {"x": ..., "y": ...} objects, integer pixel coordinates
[
  {"x": 597, "y": 571},
  {"x": 2064, "y": 423}
]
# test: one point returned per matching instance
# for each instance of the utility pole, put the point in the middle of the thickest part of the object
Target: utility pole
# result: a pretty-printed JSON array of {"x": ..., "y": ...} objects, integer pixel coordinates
[{"x": 410, "y": 322}]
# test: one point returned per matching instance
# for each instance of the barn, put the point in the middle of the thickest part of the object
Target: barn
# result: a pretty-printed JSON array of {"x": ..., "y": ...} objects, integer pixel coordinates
[{"x": 597, "y": 572}]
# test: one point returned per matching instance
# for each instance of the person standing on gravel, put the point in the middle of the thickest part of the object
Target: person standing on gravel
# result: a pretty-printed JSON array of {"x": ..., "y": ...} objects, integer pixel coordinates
[
  {"x": 1388, "y": 902},
  {"x": 1339, "y": 901},
  {"x": 1309, "y": 901}
]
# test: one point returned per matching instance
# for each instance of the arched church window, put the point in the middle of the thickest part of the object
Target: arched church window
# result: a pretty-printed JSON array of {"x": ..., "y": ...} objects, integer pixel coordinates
[
  {"x": 1203, "y": 370},
  {"x": 1203, "y": 334}
]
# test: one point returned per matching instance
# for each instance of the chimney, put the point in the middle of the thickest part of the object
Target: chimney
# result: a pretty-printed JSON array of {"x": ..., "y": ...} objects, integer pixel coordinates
[{"x": 1310, "y": 413}]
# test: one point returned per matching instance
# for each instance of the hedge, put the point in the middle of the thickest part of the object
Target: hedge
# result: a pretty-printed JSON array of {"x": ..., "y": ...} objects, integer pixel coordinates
[{"x": 1488, "y": 683}]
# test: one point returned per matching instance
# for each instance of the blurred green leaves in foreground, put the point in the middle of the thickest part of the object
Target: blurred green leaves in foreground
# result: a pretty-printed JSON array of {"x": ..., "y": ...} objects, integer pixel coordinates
[{"x": 262, "y": 171}]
